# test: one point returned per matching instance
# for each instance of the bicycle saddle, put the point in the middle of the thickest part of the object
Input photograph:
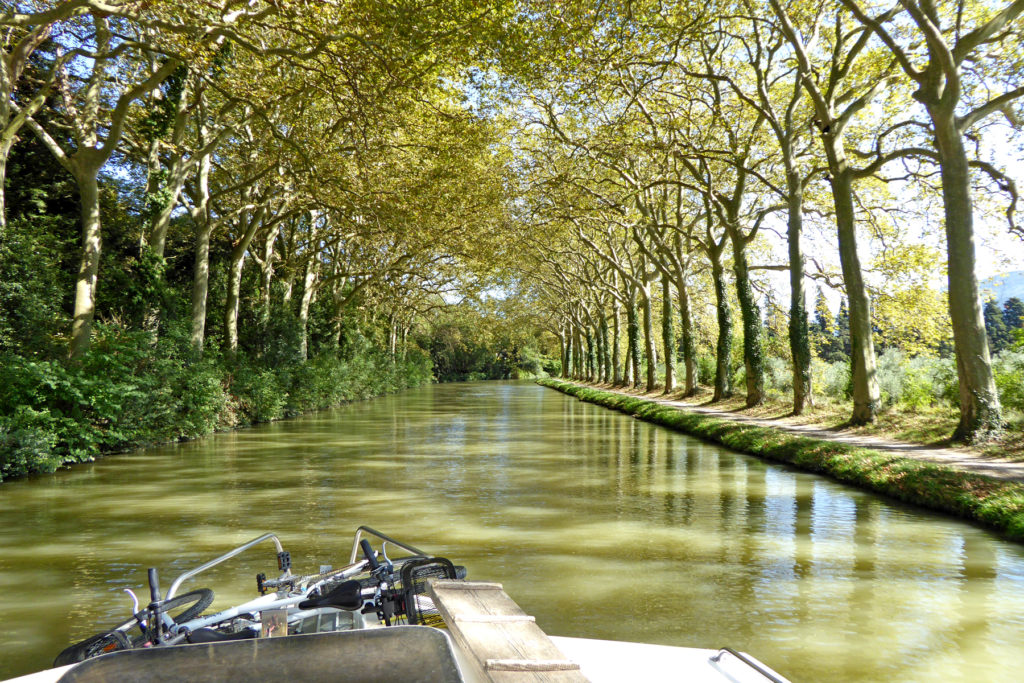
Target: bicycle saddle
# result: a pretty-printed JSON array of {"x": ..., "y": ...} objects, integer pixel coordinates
[
  {"x": 345, "y": 595},
  {"x": 208, "y": 635}
]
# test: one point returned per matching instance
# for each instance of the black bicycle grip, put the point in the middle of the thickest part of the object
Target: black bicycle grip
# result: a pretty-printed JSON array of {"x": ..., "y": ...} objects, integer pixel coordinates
[
  {"x": 368, "y": 552},
  {"x": 154, "y": 585}
]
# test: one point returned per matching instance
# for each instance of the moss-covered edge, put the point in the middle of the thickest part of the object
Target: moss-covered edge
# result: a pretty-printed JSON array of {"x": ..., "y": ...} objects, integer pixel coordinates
[{"x": 994, "y": 504}]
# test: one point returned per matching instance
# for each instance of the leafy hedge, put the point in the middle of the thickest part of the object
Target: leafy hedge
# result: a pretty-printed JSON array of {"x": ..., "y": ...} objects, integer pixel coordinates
[
  {"x": 996, "y": 504},
  {"x": 128, "y": 393}
]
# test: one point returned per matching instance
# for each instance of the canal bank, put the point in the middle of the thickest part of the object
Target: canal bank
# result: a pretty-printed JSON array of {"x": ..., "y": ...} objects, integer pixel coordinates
[{"x": 993, "y": 503}]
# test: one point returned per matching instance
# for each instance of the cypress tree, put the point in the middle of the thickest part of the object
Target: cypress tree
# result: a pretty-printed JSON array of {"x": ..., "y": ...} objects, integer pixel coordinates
[
  {"x": 1013, "y": 314},
  {"x": 995, "y": 326},
  {"x": 843, "y": 329}
]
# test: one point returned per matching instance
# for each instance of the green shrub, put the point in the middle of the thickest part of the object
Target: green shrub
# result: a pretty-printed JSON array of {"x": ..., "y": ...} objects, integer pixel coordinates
[
  {"x": 705, "y": 370},
  {"x": 1008, "y": 368},
  {"x": 129, "y": 391},
  {"x": 27, "y": 443},
  {"x": 778, "y": 376},
  {"x": 891, "y": 376},
  {"x": 832, "y": 379},
  {"x": 202, "y": 401},
  {"x": 259, "y": 394},
  {"x": 918, "y": 388}
]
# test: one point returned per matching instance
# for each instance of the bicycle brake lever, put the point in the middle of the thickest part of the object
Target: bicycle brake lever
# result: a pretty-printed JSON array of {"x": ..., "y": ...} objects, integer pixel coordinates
[{"x": 135, "y": 600}]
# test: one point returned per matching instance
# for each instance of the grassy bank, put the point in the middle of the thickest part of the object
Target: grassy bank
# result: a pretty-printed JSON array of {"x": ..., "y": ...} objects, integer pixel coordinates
[{"x": 993, "y": 504}]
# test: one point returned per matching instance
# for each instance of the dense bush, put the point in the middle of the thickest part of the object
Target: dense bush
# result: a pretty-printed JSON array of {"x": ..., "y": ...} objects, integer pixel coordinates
[
  {"x": 778, "y": 376},
  {"x": 130, "y": 391},
  {"x": 1008, "y": 367},
  {"x": 831, "y": 379},
  {"x": 706, "y": 370}
]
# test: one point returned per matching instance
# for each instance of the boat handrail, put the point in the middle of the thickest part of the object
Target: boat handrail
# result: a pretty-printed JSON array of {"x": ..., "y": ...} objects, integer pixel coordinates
[
  {"x": 749, "y": 662},
  {"x": 226, "y": 556},
  {"x": 381, "y": 536}
]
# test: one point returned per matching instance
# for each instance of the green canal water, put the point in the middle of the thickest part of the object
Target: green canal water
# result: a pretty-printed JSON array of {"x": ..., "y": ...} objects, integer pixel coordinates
[{"x": 599, "y": 525}]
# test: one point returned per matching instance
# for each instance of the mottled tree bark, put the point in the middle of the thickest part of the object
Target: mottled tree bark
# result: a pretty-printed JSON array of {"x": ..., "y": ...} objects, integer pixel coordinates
[
  {"x": 633, "y": 337},
  {"x": 980, "y": 413},
  {"x": 650, "y": 344},
  {"x": 668, "y": 336},
  {"x": 617, "y": 376},
  {"x": 88, "y": 267},
  {"x": 723, "y": 349},
  {"x": 606, "y": 368},
  {"x": 750, "y": 314},
  {"x": 688, "y": 348},
  {"x": 866, "y": 393},
  {"x": 799, "y": 335}
]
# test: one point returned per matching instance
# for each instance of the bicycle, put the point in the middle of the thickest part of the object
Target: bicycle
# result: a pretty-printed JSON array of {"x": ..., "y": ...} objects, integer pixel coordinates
[{"x": 392, "y": 591}]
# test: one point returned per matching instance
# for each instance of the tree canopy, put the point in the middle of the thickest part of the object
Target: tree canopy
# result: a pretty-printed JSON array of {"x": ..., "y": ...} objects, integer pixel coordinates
[{"x": 640, "y": 184}]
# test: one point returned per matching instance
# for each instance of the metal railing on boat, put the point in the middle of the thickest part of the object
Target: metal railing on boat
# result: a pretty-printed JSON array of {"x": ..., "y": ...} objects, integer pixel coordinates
[
  {"x": 748, "y": 661},
  {"x": 381, "y": 536},
  {"x": 226, "y": 556}
]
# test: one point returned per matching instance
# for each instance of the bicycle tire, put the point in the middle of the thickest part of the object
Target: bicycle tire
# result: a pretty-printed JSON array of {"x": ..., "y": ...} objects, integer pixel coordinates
[
  {"x": 93, "y": 646},
  {"x": 201, "y": 598},
  {"x": 196, "y": 601}
]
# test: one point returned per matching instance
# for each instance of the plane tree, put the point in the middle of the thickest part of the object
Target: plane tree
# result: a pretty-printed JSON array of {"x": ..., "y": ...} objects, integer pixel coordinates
[{"x": 959, "y": 57}]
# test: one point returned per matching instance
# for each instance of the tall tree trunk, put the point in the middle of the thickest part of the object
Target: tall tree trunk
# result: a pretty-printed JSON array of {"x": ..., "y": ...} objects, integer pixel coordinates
[
  {"x": 650, "y": 345},
  {"x": 591, "y": 365},
  {"x": 231, "y": 305},
  {"x": 980, "y": 412},
  {"x": 633, "y": 341},
  {"x": 232, "y": 302},
  {"x": 668, "y": 336},
  {"x": 85, "y": 284},
  {"x": 750, "y": 314},
  {"x": 267, "y": 271},
  {"x": 799, "y": 335},
  {"x": 578, "y": 362},
  {"x": 563, "y": 355},
  {"x": 689, "y": 350},
  {"x": 606, "y": 367},
  {"x": 723, "y": 350},
  {"x": 565, "y": 340},
  {"x": 617, "y": 378},
  {"x": 866, "y": 394},
  {"x": 286, "y": 290},
  {"x": 6, "y": 143},
  {"x": 200, "y": 285},
  {"x": 308, "y": 290},
  {"x": 201, "y": 269}
]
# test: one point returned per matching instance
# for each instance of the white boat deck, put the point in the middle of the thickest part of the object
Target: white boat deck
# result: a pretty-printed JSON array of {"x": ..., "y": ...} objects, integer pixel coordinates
[{"x": 497, "y": 641}]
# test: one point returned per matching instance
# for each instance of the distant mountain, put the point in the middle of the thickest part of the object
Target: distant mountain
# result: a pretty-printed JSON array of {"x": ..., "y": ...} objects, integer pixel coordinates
[{"x": 1003, "y": 287}]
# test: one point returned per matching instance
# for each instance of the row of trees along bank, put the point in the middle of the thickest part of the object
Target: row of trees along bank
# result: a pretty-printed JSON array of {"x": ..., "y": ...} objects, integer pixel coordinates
[
  {"x": 218, "y": 213},
  {"x": 863, "y": 138},
  {"x": 202, "y": 193}
]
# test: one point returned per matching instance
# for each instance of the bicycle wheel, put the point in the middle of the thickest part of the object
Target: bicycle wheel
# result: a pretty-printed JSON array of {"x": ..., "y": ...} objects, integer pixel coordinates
[
  {"x": 94, "y": 646},
  {"x": 194, "y": 602}
]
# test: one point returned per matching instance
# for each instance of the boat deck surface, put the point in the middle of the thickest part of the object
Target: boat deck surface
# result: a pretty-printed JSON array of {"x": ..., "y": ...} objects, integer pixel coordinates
[{"x": 500, "y": 641}]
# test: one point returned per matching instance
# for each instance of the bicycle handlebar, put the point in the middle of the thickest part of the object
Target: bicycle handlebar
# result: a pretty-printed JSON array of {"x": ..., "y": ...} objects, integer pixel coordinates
[
  {"x": 368, "y": 553},
  {"x": 154, "y": 585}
]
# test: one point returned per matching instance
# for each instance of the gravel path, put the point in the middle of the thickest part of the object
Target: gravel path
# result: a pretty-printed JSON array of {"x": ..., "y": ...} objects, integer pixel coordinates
[{"x": 953, "y": 457}]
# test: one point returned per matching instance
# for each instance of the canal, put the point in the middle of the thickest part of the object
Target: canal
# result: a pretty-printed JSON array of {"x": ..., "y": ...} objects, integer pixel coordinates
[{"x": 599, "y": 525}]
